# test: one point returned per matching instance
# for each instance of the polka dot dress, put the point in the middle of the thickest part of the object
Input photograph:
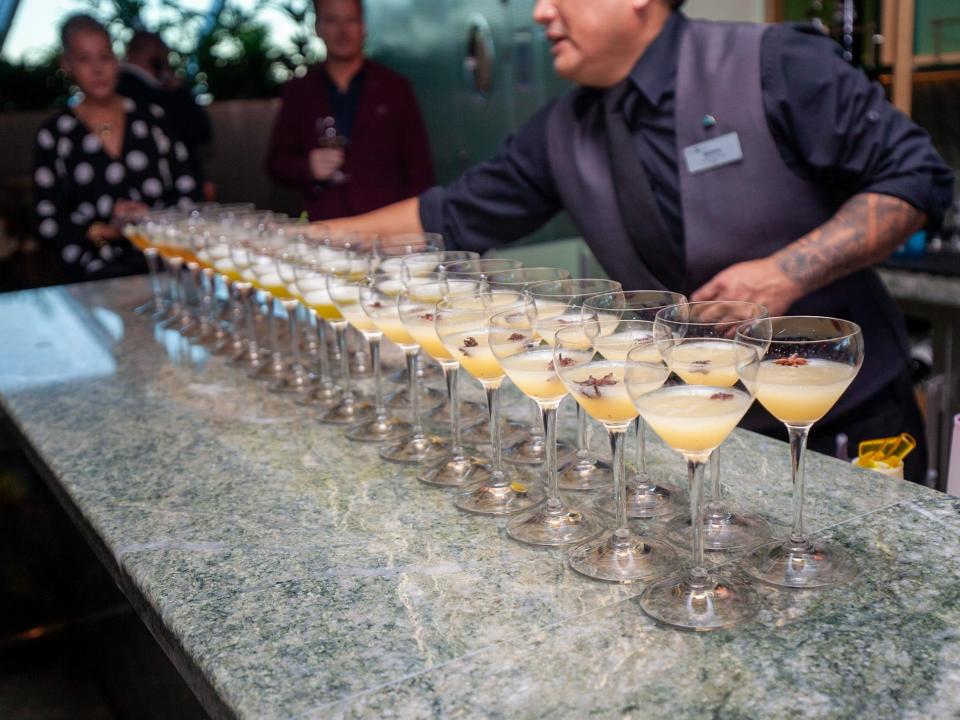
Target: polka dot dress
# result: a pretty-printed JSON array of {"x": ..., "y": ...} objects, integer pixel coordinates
[{"x": 76, "y": 183}]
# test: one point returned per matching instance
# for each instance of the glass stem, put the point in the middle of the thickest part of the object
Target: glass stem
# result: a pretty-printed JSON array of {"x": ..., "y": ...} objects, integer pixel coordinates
[
  {"x": 153, "y": 268},
  {"x": 715, "y": 505},
  {"x": 695, "y": 468},
  {"x": 496, "y": 462},
  {"x": 248, "y": 295},
  {"x": 413, "y": 389},
  {"x": 293, "y": 327},
  {"x": 452, "y": 377},
  {"x": 341, "y": 331},
  {"x": 192, "y": 294},
  {"x": 321, "y": 326},
  {"x": 583, "y": 452},
  {"x": 209, "y": 284},
  {"x": 617, "y": 436},
  {"x": 548, "y": 414},
  {"x": 798, "y": 446},
  {"x": 269, "y": 304},
  {"x": 176, "y": 264},
  {"x": 537, "y": 429},
  {"x": 642, "y": 480},
  {"x": 381, "y": 411}
]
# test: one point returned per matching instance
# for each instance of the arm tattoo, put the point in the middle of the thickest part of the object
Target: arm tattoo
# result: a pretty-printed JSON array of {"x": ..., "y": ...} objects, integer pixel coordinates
[{"x": 865, "y": 230}]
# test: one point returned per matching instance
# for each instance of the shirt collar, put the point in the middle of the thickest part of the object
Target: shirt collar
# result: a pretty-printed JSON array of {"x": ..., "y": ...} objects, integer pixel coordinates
[
  {"x": 354, "y": 81},
  {"x": 655, "y": 73}
]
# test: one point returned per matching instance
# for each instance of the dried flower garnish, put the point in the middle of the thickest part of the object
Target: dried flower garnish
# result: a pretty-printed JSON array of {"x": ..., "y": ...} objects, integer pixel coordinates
[
  {"x": 592, "y": 383},
  {"x": 427, "y": 316},
  {"x": 468, "y": 342},
  {"x": 792, "y": 361},
  {"x": 564, "y": 362},
  {"x": 517, "y": 337},
  {"x": 721, "y": 396},
  {"x": 376, "y": 304}
]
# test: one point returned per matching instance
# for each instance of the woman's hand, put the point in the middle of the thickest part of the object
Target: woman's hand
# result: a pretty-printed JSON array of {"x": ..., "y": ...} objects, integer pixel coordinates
[{"x": 101, "y": 233}]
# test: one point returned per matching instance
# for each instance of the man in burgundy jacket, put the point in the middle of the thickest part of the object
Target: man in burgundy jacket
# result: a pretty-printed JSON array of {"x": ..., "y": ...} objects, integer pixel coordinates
[{"x": 349, "y": 134}]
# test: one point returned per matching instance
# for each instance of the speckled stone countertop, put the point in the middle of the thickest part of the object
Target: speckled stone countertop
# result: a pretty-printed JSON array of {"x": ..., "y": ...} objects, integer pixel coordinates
[{"x": 289, "y": 573}]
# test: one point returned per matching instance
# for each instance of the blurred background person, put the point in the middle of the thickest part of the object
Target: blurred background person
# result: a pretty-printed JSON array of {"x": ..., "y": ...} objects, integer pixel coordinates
[
  {"x": 146, "y": 77},
  {"x": 349, "y": 135},
  {"x": 106, "y": 158}
]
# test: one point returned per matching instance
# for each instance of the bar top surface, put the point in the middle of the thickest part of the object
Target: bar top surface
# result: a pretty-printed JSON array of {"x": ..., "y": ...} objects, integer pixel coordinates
[{"x": 288, "y": 572}]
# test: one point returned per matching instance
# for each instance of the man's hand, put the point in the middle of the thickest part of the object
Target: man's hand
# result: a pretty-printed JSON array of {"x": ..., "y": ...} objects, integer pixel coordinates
[
  {"x": 760, "y": 281},
  {"x": 324, "y": 162}
]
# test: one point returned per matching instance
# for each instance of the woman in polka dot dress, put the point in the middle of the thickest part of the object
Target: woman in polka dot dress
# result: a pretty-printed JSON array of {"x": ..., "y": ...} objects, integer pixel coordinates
[{"x": 101, "y": 160}]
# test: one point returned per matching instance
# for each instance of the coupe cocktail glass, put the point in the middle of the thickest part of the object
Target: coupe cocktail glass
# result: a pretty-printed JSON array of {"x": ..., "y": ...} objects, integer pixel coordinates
[
  {"x": 646, "y": 498},
  {"x": 598, "y": 385},
  {"x": 527, "y": 359},
  {"x": 702, "y": 325},
  {"x": 561, "y": 301},
  {"x": 807, "y": 366},
  {"x": 462, "y": 324},
  {"x": 694, "y": 419}
]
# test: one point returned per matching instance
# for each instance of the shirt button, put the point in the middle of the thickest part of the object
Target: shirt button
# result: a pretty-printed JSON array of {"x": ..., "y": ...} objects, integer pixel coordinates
[{"x": 873, "y": 116}]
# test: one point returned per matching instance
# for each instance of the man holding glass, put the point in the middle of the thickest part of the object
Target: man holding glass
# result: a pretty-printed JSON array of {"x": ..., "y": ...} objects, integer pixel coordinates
[
  {"x": 349, "y": 135},
  {"x": 722, "y": 160}
]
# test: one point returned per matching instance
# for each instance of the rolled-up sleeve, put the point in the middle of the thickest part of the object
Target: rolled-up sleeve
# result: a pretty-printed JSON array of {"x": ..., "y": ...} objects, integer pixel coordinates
[
  {"x": 500, "y": 200},
  {"x": 834, "y": 125}
]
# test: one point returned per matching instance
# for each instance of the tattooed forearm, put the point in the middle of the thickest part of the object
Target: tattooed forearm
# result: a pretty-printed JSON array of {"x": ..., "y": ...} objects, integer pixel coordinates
[{"x": 865, "y": 230}]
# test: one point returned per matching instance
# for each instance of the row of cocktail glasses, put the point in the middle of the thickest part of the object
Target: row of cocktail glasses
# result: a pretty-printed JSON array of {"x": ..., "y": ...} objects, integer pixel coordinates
[{"x": 689, "y": 370}]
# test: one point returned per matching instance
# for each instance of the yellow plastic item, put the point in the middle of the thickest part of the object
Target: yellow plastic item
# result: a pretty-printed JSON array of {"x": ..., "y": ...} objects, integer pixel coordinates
[
  {"x": 518, "y": 487},
  {"x": 890, "y": 451}
]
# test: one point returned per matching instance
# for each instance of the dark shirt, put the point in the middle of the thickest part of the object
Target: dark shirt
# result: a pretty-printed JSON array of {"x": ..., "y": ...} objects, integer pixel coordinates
[
  {"x": 388, "y": 158},
  {"x": 830, "y": 125},
  {"x": 187, "y": 120},
  {"x": 343, "y": 105},
  {"x": 77, "y": 183}
]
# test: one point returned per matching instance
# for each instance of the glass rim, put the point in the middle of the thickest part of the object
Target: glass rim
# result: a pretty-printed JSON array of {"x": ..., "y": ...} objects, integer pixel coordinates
[
  {"x": 701, "y": 303},
  {"x": 615, "y": 286},
  {"x": 855, "y": 329}
]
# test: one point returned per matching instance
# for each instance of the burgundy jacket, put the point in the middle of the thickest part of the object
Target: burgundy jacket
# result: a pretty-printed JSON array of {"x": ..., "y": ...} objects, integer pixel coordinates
[{"x": 388, "y": 158}]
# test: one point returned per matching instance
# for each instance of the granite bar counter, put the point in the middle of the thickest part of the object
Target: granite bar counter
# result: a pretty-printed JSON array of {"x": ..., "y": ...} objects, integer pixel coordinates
[{"x": 289, "y": 573}]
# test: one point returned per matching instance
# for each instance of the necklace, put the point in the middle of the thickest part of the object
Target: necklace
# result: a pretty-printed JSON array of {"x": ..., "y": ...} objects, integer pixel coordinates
[{"x": 104, "y": 129}]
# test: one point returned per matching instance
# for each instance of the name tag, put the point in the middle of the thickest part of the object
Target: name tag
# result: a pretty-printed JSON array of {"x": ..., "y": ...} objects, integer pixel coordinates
[{"x": 713, "y": 153}]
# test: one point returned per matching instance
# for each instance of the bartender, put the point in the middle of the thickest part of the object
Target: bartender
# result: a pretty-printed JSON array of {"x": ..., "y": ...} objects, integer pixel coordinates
[{"x": 724, "y": 160}]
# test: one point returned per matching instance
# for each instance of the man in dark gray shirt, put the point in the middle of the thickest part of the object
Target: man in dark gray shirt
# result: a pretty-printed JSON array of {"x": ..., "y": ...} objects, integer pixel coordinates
[{"x": 810, "y": 177}]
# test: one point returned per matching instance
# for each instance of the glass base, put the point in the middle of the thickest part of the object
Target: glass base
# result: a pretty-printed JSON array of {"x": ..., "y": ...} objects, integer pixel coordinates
[
  {"x": 646, "y": 502},
  {"x": 532, "y": 451},
  {"x": 230, "y": 346},
  {"x": 269, "y": 368},
  {"x": 713, "y": 602},
  {"x": 246, "y": 358},
  {"x": 426, "y": 450},
  {"x": 322, "y": 396},
  {"x": 379, "y": 430},
  {"x": 515, "y": 496},
  {"x": 430, "y": 400},
  {"x": 294, "y": 381},
  {"x": 803, "y": 564},
  {"x": 561, "y": 525},
  {"x": 344, "y": 413},
  {"x": 588, "y": 474},
  {"x": 623, "y": 558},
  {"x": 457, "y": 473},
  {"x": 724, "y": 530}
]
